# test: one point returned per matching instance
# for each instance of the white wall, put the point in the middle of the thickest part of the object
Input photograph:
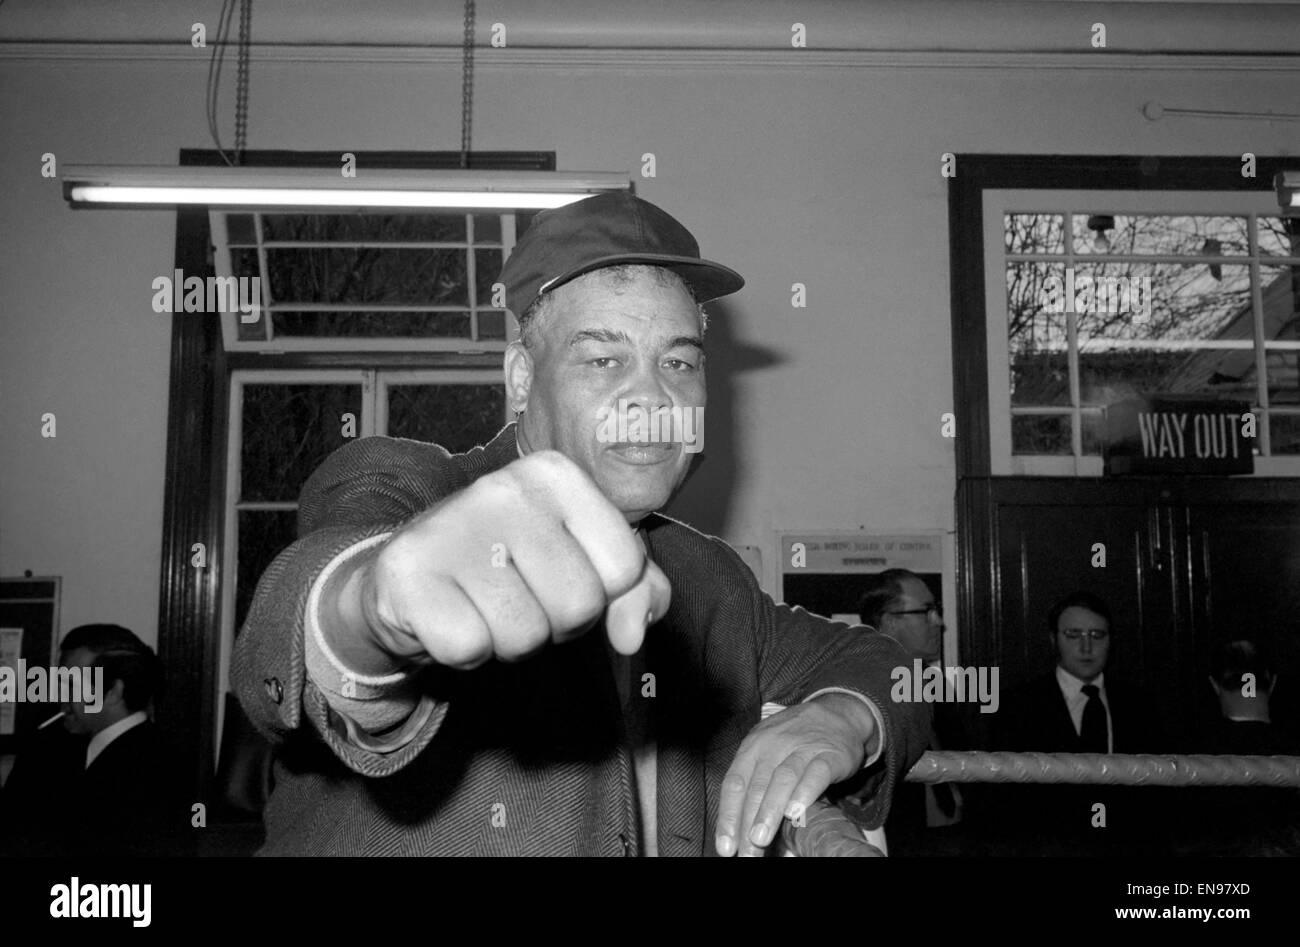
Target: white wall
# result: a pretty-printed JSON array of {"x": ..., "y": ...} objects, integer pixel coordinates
[{"x": 825, "y": 174}]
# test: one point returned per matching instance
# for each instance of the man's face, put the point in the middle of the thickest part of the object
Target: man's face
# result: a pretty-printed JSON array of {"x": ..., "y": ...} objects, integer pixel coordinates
[
  {"x": 78, "y": 718},
  {"x": 602, "y": 343},
  {"x": 921, "y": 634},
  {"x": 1082, "y": 656}
]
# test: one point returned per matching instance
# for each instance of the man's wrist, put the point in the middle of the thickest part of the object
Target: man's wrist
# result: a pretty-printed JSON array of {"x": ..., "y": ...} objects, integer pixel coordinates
[
  {"x": 855, "y": 711},
  {"x": 345, "y": 624}
]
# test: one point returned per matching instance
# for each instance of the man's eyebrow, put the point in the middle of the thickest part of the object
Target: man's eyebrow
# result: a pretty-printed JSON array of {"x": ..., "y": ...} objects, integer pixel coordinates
[
  {"x": 691, "y": 341},
  {"x": 599, "y": 335},
  {"x": 608, "y": 335}
]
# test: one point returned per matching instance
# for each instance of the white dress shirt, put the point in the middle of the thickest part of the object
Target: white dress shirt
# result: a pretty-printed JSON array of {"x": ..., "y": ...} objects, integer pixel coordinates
[
  {"x": 1076, "y": 700},
  {"x": 100, "y": 741}
]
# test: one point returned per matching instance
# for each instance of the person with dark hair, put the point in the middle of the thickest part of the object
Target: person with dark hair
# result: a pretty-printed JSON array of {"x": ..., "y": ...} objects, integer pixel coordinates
[
  {"x": 1243, "y": 678},
  {"x": 1076, "y": 708},
  {"x": 899, "y": 605},
  {"x": 102, "y": 780},
  {"x": 1231, "y": 821}
]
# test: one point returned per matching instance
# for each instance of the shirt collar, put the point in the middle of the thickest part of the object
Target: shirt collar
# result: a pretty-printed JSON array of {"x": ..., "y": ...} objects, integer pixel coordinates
[
  {"x": 100, "y": 741},
  {"x": 1072, "y": 686}
]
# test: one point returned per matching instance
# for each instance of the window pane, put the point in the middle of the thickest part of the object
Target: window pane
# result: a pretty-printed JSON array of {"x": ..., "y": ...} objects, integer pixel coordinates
[
  {"x": 240, "y": 230},
  {"x": 457, "y": 417},
  {"x": 487, "y": 228},
  {"x": 492, "y": 324},
  {"x": 1036, "y": 338},
  {"x": 1108, "y": 375},
  {"x": 311, "y": 228},
  {"x": 243, "y": 262},
  {"x": 1163, "y": 301},
  {"x": 1034, "y": 233},
  {"x": 1279, "y": 236},
  {"x": 1093, "y": 432},
  {"x": 362, "y": 324},
  {"x": 368, "y": 275},
  {"x": 1040, "y": 434},
  {"x": 1284, "y": 433},
  {"x": 1182, "y": 235},
  {"x": 487, "y": 268},
  {"x": 287, "y": 431},
  {"x": 1281, "y": 296},
  {"x": 262, "y": 536}
]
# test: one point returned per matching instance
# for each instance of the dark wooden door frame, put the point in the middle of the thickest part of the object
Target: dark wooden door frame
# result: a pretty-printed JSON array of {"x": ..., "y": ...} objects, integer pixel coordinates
[
  {"x": 189, "y": 611},
  {"x": 977, "y": 581}
]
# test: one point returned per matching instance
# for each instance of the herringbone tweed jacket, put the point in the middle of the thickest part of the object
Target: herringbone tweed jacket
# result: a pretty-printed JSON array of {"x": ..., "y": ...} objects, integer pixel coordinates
[{"x": 530, "y": 758}]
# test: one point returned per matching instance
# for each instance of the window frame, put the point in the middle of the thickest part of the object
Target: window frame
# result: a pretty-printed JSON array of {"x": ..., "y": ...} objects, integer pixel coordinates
[
  {"x": 374, "y": 385},
  {"x": 1001, "y": 201},
  {"x": 189, "y": 638},
  {"x": 280, "y": 344}
]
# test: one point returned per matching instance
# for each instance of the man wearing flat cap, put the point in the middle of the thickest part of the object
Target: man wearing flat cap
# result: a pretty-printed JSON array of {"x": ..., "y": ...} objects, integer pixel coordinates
[{"x": 511, "y": 652}]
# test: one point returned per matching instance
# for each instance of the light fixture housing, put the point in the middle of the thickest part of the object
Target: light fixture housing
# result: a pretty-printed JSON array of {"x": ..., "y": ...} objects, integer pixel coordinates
[
  {"x": 291, "y": 188},
  {"x": 1288, "y": 192}
]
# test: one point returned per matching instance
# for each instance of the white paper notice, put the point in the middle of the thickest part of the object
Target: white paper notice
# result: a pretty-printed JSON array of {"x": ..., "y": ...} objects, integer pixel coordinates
[{"x": 11, "y": 647}]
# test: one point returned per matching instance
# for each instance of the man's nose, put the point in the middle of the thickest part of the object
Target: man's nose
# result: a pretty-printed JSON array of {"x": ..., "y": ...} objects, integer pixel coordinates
[
  {"x": 646, "y": 390},
  {"x": 1085, "y": 643}
]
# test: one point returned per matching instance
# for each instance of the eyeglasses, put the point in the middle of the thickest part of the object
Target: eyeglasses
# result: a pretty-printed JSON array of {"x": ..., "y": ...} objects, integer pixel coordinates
[
  {"x": 936, "y": 610},
  {"x": 1096, "y": 634}
]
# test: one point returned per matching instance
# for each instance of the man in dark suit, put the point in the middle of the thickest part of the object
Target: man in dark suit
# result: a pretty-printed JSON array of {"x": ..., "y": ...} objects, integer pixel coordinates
[
  {"x": 99, "y": 779},
  {"x": 1229, "y": 820},
  {"x": 510, "y": 651},
  {"x": 899, "y": 605},
  {"x": 1077, "y": 709}
]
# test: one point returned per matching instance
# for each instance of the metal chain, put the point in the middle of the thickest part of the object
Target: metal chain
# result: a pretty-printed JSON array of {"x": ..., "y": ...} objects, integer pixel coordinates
[
  {"x": 241, "y": 80},
  {"x": 467, "y": 84}
]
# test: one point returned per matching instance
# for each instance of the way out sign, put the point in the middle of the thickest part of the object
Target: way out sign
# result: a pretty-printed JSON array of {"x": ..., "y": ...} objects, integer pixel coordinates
[{"x": 1169, "y": 434}]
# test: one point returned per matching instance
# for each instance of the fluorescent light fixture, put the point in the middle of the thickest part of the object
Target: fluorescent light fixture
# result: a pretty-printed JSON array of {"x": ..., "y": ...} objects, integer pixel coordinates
[
  {"x": 1288, "y": 191},
  {"x": 123, "y": 186}
]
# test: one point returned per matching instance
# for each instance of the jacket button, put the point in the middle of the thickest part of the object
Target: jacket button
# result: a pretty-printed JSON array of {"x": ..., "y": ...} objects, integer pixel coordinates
[{"x": 273, "y": 689}]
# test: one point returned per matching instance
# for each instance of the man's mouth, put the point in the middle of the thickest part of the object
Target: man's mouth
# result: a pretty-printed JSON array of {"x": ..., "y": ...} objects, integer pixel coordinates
[{"x": 642, "y": 455}]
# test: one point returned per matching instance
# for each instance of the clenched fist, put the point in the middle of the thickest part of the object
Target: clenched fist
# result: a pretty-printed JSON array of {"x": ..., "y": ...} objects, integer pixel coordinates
[{"x": 530, "y": 554}]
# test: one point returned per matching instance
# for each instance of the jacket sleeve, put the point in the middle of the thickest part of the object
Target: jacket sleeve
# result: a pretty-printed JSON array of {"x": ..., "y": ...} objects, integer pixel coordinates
[
  {"x": 362, "y": 490},
  {"x": 801, "y": 654}
]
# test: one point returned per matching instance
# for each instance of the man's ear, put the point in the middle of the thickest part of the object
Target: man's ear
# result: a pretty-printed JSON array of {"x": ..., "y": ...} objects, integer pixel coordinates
[{"x": 519, "y": 375}]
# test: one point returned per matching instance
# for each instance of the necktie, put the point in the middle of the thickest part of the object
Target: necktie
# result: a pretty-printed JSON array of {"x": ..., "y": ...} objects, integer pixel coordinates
[{"x": 1093, "y": 734}]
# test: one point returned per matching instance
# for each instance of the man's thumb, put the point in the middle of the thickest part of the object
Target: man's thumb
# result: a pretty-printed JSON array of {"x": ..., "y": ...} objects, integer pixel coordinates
[{"x": 629, "y": 615}]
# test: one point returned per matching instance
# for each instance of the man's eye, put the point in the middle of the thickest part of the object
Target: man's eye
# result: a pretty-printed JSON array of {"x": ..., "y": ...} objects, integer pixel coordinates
[
  {"x": 680, "y": 365},
  {"x": 604, "y": 361}
]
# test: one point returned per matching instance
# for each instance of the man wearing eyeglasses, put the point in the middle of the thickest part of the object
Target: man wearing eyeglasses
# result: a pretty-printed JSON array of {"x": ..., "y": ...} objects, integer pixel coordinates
[
  {"x": 1077, "y": 709},
  {"x": 1071, "y": 710},
  {"x": 899, "y": 605}
]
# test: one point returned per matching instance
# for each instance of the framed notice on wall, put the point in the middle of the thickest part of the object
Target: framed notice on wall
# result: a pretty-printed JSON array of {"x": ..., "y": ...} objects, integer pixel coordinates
[
  {"x": 826, "y": 573},
  {"x": 29, "y": 637}
]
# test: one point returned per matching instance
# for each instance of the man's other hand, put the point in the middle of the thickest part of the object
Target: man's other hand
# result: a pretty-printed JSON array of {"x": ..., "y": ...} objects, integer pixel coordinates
[
  {"x": 530, "y": 554},
  {"x": 786, "y": 763}
]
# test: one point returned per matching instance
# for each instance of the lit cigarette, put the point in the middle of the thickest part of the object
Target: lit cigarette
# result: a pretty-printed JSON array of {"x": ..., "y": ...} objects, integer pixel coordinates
[{"x": 57, "y": 716}]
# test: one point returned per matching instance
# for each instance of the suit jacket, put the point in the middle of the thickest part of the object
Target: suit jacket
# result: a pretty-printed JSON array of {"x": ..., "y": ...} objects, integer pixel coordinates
[
  {"x": 126, "y": 803},
  {"x": 906, "y": 830},
  {"x": 1035, "y": 717},
  {"x": 1059, "y": 819},
  {"x": 531, "y": 758}
]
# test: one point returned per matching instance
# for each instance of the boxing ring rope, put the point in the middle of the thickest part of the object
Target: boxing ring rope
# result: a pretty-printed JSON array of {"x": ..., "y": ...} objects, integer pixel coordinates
[
  {"x": 1113, "y": 769},
  {"x": 826, "y": 831}
]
